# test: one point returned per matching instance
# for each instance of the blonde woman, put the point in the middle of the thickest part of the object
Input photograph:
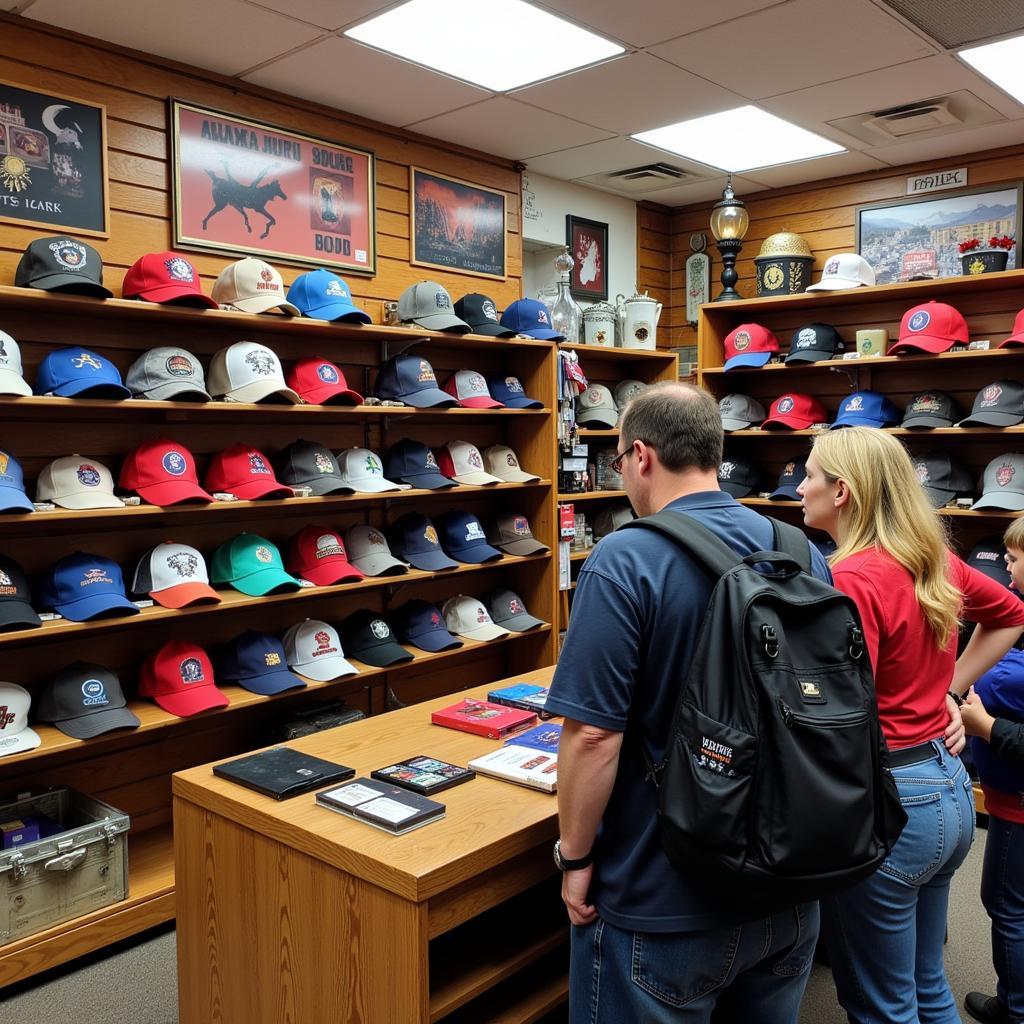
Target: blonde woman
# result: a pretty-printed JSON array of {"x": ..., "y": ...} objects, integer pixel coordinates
[{"x": 885, "y": 935}]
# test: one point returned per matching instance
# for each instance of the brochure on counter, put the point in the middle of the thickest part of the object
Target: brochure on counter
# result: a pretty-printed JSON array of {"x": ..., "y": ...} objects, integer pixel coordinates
[
  {"x": 422, "y": 774},
  {"x": 525, "y": 696},
  {"x": 483, "y": 718},
  {"x": 384, "y": 806}
]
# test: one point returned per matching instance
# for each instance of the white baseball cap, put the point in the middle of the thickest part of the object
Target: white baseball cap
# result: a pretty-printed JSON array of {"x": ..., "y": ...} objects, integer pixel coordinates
[
  {"x": 253, "y": 286},
  {"x": 504, "y": 464},
  {"x": 470, "y": 388},
  {"x": 597, "y": 406},
  {"x": 15, "y": 735},
  {"x": 363, "y": 471},
  {"x": 467, "y": 617},
  {"x": 174, "y": 575},
  {"x": 313, "y": 649},
  {"x": 78, "y": 482},
  {"x": 12, "y": 373},
  {"x": 368, "y": 551},
  {"x": 844, "y": 270},
  {"x": 462, "y": 462},
  {"x": 248, "y": 372}
]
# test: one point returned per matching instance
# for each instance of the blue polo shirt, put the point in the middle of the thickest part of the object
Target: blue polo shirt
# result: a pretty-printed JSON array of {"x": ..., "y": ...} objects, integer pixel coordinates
[{"x": 637, "y": 611}]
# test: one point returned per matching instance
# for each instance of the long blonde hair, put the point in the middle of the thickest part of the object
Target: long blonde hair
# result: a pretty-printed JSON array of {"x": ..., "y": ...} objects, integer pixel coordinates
[{"x": 889, "y": 510}]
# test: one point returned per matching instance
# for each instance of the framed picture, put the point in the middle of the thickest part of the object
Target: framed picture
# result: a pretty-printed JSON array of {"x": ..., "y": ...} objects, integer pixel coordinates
[
  {"x": 456, "y": 225},
  {"x": 245, "y": 187},
  {"x": 588, "y": 246},
  {"x": 53, "y": 161},
  {"x": 904, "y": 238}
]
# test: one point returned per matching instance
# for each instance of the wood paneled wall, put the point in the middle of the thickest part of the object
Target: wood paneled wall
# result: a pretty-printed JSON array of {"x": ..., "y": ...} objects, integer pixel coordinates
[
  {"x": 135, "y": 88},
  {"x": 654, "y": 259}
]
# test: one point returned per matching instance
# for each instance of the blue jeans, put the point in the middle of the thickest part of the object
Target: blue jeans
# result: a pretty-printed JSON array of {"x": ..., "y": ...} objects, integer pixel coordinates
[
  {"x": 757, "y": 970},
  {"x": 1002, "y": 892},
  {"x": 885, "y": 935}
]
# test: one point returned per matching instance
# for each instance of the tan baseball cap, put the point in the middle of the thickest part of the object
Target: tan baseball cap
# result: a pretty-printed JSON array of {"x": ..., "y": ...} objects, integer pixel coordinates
[
  {"x": 77, "y": 482},
  {"x": 504, "y": 464},
  {"x": 467, "y": 617},
  {"x": 253, "y": 286}
]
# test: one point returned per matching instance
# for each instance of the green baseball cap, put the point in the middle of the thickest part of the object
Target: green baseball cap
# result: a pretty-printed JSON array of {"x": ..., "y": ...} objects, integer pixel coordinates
[{"x": 251, "y": 564}]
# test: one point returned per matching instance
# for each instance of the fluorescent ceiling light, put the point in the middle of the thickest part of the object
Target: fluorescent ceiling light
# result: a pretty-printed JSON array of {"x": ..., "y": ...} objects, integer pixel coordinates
[
  {"x": 739, "y": 140},
  {"x": 1002, "y": 63},
  {"x": 498, "y": 44}
]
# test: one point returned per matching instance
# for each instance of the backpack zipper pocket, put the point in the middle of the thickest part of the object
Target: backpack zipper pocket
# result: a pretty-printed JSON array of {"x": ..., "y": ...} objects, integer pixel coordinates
[{"x": 795, "y": 718}]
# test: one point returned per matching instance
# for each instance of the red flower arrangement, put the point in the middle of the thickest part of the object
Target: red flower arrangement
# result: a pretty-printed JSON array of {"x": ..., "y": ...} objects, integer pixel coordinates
[
  {"x": 970, "y": 244},
  {"x": 1001, "y": 242}
]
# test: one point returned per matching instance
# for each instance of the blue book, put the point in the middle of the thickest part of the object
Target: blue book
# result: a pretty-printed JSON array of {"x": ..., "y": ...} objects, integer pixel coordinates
[
  {"x": 540, "y": 737},
  {"x": 525, "y": 696}
]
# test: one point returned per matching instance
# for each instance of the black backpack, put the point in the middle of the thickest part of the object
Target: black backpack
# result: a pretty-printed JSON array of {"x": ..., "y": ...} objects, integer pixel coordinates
[{"x": 775, "y": 787}]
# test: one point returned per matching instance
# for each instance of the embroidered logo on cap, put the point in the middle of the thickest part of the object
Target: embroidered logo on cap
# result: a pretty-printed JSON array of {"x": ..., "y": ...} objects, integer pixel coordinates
[
  {"x": 854, "y": 404},
  {"x": 986, "y": 556},
  {"x": 921, "y": 472},
  {"x": 990, "y": 396},
  {"x": 741, "y": 341},
  {"x": 261, "y": 361},
  {"x": 426, "y": 374},
  {"x": 806, "y": 338},
  {"x": 477, "y": 383},
  {"x": 93, "y": 693},
  {"x": 380, "y": 629},
  {"x": 430, "y": 460},
  {"x": 84, "y": 359},
  {"x": 327, "y": 373},
  {"x": 919, "y": 321},
  {"x": 372, "y": 465},
  {"x": 1004, "y": 474},
  {"x": 69, "y": 254},
  {"x": 521, "y": 526},
  {"x": 474, "y": 531},
  {"x": 191, "y": 671},
  {"x": 725, "y": 470},
  {"x": 91, "y": 576},
  {"x": 88, "y": 476},
  {"x": 488, "y": 310},
  {"x": 515, "y": 606},
  {"x": 257, "y": 465},
  {"x": 542, "y": 316},
  {"x": 373, "y": 537},
  {"x": 6, "y": 581},
  {"x": 329, "y": 545},
  {"x": 785, "y": 404},
  {"x": 790, "y": 469},
  {"x": 179, "y": 366},
  {"x": 334, "y": 288},
  {"x": 832, "y": 267},
  {"x": 442, "y": 301},
  {"x": 184, "y": 563},
  {"x": 174, "y": 463},
  {"x": 6, "y": 717},
  {"x": 180, "y": 270},
  {"x": 926, "y": 403},
  {"x": 323, "y": 644},
  {"x": 511, "y": 461},
  {"x": 430, "y": 535},
  {"x": 514, "y": 385},
  {"x": 264, "y": 554},
  {"x": 322, "y": 463},
  {"x": 271, "y": 658},
  {"x": 481, "y": 615}
]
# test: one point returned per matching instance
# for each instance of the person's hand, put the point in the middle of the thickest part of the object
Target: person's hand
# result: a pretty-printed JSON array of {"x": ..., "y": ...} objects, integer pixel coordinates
[
  {"x": 977, "y": 721},
  {"x": 954, "y": 736},
  {"x": 575, "y": 886}
]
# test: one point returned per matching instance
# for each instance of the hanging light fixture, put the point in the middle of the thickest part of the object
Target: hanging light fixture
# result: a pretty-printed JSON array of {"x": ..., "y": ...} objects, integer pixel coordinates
[{"x": 729, "y": 223}]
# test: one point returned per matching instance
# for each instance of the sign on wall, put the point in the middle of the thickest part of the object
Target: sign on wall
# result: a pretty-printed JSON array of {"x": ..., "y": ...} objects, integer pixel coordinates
[{"x": 936, "y": 181}]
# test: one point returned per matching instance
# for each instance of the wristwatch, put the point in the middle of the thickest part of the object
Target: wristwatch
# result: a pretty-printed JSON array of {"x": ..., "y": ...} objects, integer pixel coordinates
[{"x": 564, "y": 864}]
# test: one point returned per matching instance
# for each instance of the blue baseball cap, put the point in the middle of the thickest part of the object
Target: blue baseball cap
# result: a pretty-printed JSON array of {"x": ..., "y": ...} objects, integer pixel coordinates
[
  {"x": 421, "y": 624},
  {"x": 412, "y": 462},
  {"x": 325, "y": 296},
  {"x": 463, "y": 537},
  {"x": 866, "y": 409},
  {"x": 414, "y": 538},
  {"x": 411, "y": 379},
  {"x": 509, "y": 391},
  {"x": 83, "y": 587},
  {"x": 12, "y": 486},
  {"x": 791, "y": 477},
  {"x": 77, "y": 372},
  {"x": 257, "y": 662},
  {"x": 532, "y": 318}
]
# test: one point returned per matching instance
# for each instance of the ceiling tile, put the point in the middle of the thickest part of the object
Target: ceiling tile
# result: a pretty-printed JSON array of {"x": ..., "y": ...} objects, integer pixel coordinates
[
  {"x": 702, "y": 192},
  {"x": 505, "y": 127},
  {"x": 613, "y": 155},
  {"x": 332, "y": 14},
  {"x": 954, "y": 145},
  {"x": 227, "y": 36},
  {"x": 340, "y": 73},
  {"x": 796, "y": 45},
  {"x": 812, "y": 170}
]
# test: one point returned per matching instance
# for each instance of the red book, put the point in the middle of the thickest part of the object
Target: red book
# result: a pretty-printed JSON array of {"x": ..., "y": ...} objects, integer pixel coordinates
[{"x": 483, "y": 718}]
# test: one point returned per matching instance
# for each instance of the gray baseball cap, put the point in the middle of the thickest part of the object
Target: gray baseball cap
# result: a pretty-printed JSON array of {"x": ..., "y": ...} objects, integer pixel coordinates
[
  {"x": 511, "y": 533},
  {"x": 167, "y": 373},
  {"x": 508, "y": 610},
  {"x": 943, "y": 477},
  {"x": 83, "y": 701},
  {"x": 429, "y": 305},
  {"x": 999, "y": 404},
  {"x": 740, "y": 412},
  {"x": 610, "y": 518},
  {"x": 931, "y": 409},
  {"x": 1002, "y": 485},
  {"x": 625, "y": 390}
]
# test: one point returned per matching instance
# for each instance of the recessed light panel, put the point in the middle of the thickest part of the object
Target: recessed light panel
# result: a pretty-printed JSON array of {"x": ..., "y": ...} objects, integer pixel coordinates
[{"x": 1001, "y": 63}]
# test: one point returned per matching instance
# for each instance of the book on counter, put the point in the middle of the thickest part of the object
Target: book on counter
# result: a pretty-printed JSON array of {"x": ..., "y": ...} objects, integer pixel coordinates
[
  {"x": 382, "y": 805},
  {"x": 542, "y": 737},
  {"x": 526, "y": 766},
  {"x": 422, "y": 774},
  {"x": 525, "y": 696},
  {"x": 282, "y": 772},
  {"x": 483, "y": 718}
]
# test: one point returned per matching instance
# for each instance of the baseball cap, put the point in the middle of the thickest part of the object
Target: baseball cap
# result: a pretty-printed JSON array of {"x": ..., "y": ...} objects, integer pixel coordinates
[
  {"x": 467, "y": 617},
  {"x": 1000, "y": 404},
  {"x": 244, "y": 472},
  {"x": 508, "y": 611},
  {"x": 813, "y": 343},
  {"x": 502, "y": 462},
  {"x": 931, "y": 409},
  {"x": 163, "y": 473},
  {"x": 791, "y": 477},
  {"x": 738, "y": 476},
  {"x": 596, "y": 408},
  {"x": 469, "y": 388},
  {"x": 987, "y": 556},
  {"x": 368, "y": 551},
  {"x": 307, "y": 464},
  {"x": 253, "y": 286},
  {"x": 83, "y": 587},
  {"x": 319, "y": 382},
  {"x": 84, "y": 700},
  {"x": 611, "y": 517},
  {"x": 13, "y": 497},
  {"x": 749, "y": 345},
  {"x": 421, "y": 624},
  {"x": 257, "y": 662},
  {"x": 179, "y": 677},
  {"x": 411, "y": 379},
  {"x": 16, "y": 610},
  {"x": 318, "y": 555},
  {"x": 740, "y": 412},
  {"x": 462, "y": 461},
  {"x": 79, "y": 373},
  {"x": 62, "y": 264},
  {"x": 943, "y": 477},
  {"x": 867, "y": 409},
  {"x": 844, "y": 270},
  {"x": 429, "y": 305},
  {"x": 248, "y": 372},
  {"x": 414, "y": 538},
  {"x": 532, "y": 318},
  {"x": 15, "y": 735},
  {"x": 625, "y": 390},
  {"x": 167, "y": 373},
  {"x": 1002, "y": 484},
  {"x": 413, "y": 463},
  {"x": 511, "y": 533},
  {"x": 368, "y": 637},
  {"x": 361, "y": 470},
  {"x": 12, "y": 373},
  {"x": 313, "y": 648},
  {"x": 251, "y": 564},
  {"x": 1015, "y": 338},
  {"x": 165, "y": 277},
  {"x": 509, "y": 391},
  {"x": 325, "y": 296},
  {"x": 931, "y": 327},
  {"x": 481, "y": 314},
  {"x": 463, "y": 537},
  {"x": 77, "y": 482},
  {"x": 174, "y": 575},
  {"x": 795, "y": 411}
]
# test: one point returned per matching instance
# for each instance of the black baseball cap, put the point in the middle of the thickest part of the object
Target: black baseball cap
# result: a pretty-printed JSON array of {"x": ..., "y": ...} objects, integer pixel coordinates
[
  {"x": 931, "y": 409},
  {"x": 943, "y": 477},
  {"x": 987, "y": 556},
  {"x": 815, "y": 342},
  {"x": 481, "y": 314},
  {"x": 421, "y": 624},
  {"x": 62, "y": 264},
  {"x": 412, "y": 462},
  {"x": 999, "y": 404},
  {"x": 738, "y": 476},
  {"x": 791, "y": 477},
  {"x": 15, "y": 597},
  {"x": 308, "y": 464},
  {"x": 83, "y": 701},
  {"x": 367, "y": 636},
  {"x": 415, "y": 539}
]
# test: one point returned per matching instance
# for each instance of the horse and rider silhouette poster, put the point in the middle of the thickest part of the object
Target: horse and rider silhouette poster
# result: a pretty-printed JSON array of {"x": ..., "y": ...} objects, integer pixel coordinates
[{"x": 242, "y": 186}]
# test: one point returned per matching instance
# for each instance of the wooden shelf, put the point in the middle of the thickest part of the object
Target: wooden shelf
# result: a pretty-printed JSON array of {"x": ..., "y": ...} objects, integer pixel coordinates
[
  {"x": 580, "y": 556},
  {"x": 626, "y": 354},
  {"x": 964, "y": 433},
  {"x": 566, "y": 499},
  {"x": 584, "y": 433},
  {"x": 912, "y": 362},
  {"x": 957, "y": 513}
]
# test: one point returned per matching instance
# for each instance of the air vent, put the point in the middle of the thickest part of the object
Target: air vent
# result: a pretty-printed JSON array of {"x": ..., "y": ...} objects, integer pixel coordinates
[
  {"x": 657, "y": 172},
  {"x": 913, "y": 118},
  {"x": 638, "y": 180}
]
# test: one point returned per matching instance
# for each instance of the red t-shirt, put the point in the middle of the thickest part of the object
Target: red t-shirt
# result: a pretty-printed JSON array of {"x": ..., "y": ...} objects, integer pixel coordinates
[{"x": 912, "y": 674}]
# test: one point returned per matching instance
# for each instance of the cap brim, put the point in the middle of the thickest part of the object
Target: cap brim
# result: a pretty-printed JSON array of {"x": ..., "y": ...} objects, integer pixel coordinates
[
  {"x": 476, "y": 555},
  {"x": 27, "y": 739},
  {"x": 1011, "y": 342},
  {"x": 326, "y": 669},
  {"x": 71, "y": 283},
  {"x": 435, "y": 640},
  {"x": 271, "y": 683},
  {"x": 330, "y": 573},
  {"x": 920, "y": 343},
  {"x": 192, "y": 701},
  {"x": 442, "y": 322},
  {"x": 748, "y": 359},
  {"x": 517, "y": 476},
  {"x": 262, "y": 582},
  {"x": 429, "y": 561},
  {"x": 173, "y": 492},
  {"x": 991, "y": 570},
  {"x": 322, "y": 485},
  {"x": 489, "y": 329},
  {"x": 253, "y": 490},
  {"x": 339, "y": 311},
  {"x": 526, "y": 546},
  {"x": 333, "y": 394},
  {"x": 87, "y": 500},
  {"x": 521, "y": 623},
  {"x": 523, "y": 403},
  {"x": 937, "y": 496},
  {"x": 12, "y": 384},
  {"x": 173, "y": 389},
  {"x": 428, "y": 481},
  {"x": 13, "y": 499},
  {"x": 88, "y": 608},
  {"x": 176, "y": 295},
  {"x": 428, "y": 398},
  {"x": 18, "y": 615},
  {"x": 728, "y": 423},
  {"x": 859, "y": 421},
  {"x": 383, "y": 655},
  {"x": 1007, "y": 501},
  {"x": 265, "y": 303},
  {"x": 380, "y": 565},
  {"x": 87, "y": 389},
  {"x": 371, "y": 485},
  {"x": 926, "y": 420},
  {"x": 478, "y": 478},
  {"x": 485, "y": 631},
  {"x": 605, "y": 418},
  {"x": 992, "y": 418},
  {"x": 481, "y": 402},
  {"x": 810, "y": 356},
  {"x": 543, "y": 334},
  {"x": 183, "y": 594},
  {"x": 785, "y": 493},
  {"x": 834, "y": 284},
  {"x": 736, "y": 490},
  {"x": 786, "y": 423},
  {"x": 258, "y": 390},
  {"x": 86, "y": 727}
]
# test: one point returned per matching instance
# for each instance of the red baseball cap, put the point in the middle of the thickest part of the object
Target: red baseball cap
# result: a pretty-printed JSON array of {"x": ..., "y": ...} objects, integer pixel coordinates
[
  {"x": 931, "y": 327},
  {"x": 318, "y": 555},
  {"x": 163, "y": 473},
  {"x": 165, "y": 277},
  {"x": 320, "y": 382},
  {"x": 1017, "y": 338},
  {"x": 246, "y": 473},
  {"x": 470, "y": 388},
  {"x": 179, "y": 677},
  {"x": 796, "y": 411},
  {"x": 749, "y": 345}
]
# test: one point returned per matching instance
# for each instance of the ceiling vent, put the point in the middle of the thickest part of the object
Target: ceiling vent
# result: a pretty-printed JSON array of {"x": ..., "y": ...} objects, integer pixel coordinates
[
  {"x": 912, "y": 119},
  {"x": 638, "y": 180}
]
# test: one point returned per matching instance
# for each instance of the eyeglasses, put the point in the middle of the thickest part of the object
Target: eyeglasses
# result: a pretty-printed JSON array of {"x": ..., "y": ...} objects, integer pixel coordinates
[{"x": 616, "y": 464}]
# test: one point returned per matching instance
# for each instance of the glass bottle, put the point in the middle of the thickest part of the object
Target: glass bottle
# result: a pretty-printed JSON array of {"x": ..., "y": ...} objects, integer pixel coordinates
[{"x": 566, "y": 316}]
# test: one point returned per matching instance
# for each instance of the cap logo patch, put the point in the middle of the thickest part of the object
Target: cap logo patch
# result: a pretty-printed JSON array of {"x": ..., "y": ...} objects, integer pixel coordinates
[
  {"x": 921, "y": 472},
  {"x": 322, "y": 461},
  {"x": 430, "y": 460},
  {"x": 990, "y": 396},
  {"x": 174, "y": 463},
  {"x": 593, "y": 395},
  {"x": 267, "y": 274},
  {"x": 513, "y": 384},
  {"x": 88, "y": 476},
  {"x": 741, "y": 341},
  {"x": 5, "y": 580},
  {"x": 4, "y": 461},
  {"x": 511, "y": 460},
  {"x": 376, "y": 538},
  {"x": 271, "y": 658},
  {"x": 180, "y": 270},
  {"x": 725, "y": 470},
  {"x": 488, "y": 310},
  {"x": 86, "y": 359},
  {"x": 327, "y": 373},
  {"x": 257, "y": 465},
  {"x": 426, "y": 374},
  {"x": 70, "y": 255},
  {"x": 6, "y": 717},
  {"x": 542, "y": 316},
  {"x": 473, "y": 458},
  {"x": 264, "y": 554},
  {"x": 521, "y": 526},
  {"x": 380, "y": 629},
  {"x": 926, "y": 403},
  {"x": 785, "y": 404},
  {"x": 1004, "y": 474},
  {"x": 806, "y": 338},
  {"x": 832, "y": 267},
  {"x": 477, "y": 383},
  {"x": 179, "y": 366},
  {"x": 329, "y": 546},
  {"x": 261, "y": 361},
  {"x": 435, "y": 618},
  {"x": 372, "y": 465},
  {"x": 442, "y": 301},
  {"x": 986, "y": 556},
  {"x": 184, "y": 563},
  {"x": 334, "y": 288},
  {"x": 854, "y": 404},
  {"x": 790, "y": 469},
  {"x": 323, "y": 644},
  {"x": 481, "y": 615},
  {"x": 430, "y": 535},
  {"x": 93, "y": 693},
  {"x": 91, "y": 576},
  {"x": 919, "y": 321},
  {"x": 474, "y": 531},
  {"x": 191, "y": 671},
  {"x": 515, "y": 606}
]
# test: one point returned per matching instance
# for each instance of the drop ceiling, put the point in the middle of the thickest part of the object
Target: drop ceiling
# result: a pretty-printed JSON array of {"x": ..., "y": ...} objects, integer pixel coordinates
[{"x": 812, "y": 62}]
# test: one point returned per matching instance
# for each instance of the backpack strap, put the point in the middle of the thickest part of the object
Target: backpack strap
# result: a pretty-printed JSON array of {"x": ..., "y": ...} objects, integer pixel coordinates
[
  {"x": 792, "y": 542},
  {"x": 700, "y": 543}
]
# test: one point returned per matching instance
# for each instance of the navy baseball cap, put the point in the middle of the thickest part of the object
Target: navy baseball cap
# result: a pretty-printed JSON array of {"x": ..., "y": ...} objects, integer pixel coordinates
[
  {"x": 414, "y": 538},
  {"x": 257, "y": 662},
  {"x": 83, "y": 701},
  {"x": 412, "y": 462},
  {"x": 12, "y": 486},
  {"x": 866, "y": 409},
  {"x": 988, "y": 556},
  {"x": 532, "y": 318},
  {"x": 791, "y": 477},
  {"x": 411, "y": 379},
  {"x": 79, "y": 373},
  {"x": 463, "y": 537},
  {"x": 83, "y": 587},
  {"x": 509, "y": 391},
  {"x": 325, "y": 296},
  {"x": 421, "y": 624}
]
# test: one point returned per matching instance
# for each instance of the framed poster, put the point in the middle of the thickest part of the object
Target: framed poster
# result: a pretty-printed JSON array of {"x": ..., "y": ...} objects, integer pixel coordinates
[
  {"x": 245, "y": 187},
  {"x": 907, "y": 237},
  {"x": 456, "y": 225},
  {"x": 588, "y": 246},
  {"x": 53, "y": 161}
]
